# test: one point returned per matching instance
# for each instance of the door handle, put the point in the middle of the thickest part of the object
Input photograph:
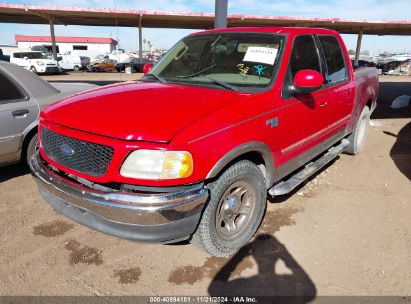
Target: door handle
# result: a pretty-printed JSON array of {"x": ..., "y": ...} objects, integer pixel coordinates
[
  {"x": 19, "y": 113},
  {"x": 323, "y": 104}
]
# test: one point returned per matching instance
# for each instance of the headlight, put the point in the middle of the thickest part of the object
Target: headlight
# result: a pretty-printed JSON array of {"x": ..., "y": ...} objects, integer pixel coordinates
[
  {"x": 39, "y": 62},
  {"x": 155, "y": 164}
]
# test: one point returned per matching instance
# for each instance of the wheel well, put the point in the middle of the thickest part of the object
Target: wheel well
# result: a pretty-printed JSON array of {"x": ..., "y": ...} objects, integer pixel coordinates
[
  {"x": 253, "y": 156},
  {"x": 26, "y": 141}
]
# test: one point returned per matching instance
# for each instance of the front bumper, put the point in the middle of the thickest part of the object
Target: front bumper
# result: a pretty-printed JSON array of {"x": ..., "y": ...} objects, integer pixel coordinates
[{"x": 143, "y": 217}]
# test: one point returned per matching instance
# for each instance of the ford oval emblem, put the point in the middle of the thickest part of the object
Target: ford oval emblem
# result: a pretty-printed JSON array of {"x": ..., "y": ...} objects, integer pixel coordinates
[{"x": 66, "y": 150}]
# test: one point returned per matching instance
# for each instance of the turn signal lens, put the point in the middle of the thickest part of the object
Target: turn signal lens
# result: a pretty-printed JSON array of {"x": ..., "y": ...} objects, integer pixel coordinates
[{"x": 177, "y": 165}]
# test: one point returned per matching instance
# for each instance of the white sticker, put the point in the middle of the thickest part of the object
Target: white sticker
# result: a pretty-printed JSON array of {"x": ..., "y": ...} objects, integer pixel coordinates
[{"x": 261, "y": 55}]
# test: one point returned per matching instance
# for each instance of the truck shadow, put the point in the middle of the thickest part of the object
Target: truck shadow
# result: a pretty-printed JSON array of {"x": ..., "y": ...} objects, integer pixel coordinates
[
  {"x": 401, "y": 150},
  {"x": 271, "y": 280},
  {"x": 12, "y": 171}
]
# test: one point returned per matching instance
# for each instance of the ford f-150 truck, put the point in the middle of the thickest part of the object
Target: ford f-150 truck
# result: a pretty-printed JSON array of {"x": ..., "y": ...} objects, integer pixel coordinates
[{"x": 192, "y": 149}]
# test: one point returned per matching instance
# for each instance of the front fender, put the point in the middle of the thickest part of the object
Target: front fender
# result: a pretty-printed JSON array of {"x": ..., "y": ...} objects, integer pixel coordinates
[{"x": 252, "y": 146}]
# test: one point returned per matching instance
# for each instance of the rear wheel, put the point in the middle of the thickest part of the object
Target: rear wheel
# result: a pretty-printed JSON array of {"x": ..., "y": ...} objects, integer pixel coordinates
[
  {"x": 234, "y": 211},
  {"x": 358, "y": 136},
  {"x": 76, "y": 68}
]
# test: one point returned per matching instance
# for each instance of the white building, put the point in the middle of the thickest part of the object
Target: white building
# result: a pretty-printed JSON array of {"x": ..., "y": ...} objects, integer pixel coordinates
[{"x": 66, "y": 45}]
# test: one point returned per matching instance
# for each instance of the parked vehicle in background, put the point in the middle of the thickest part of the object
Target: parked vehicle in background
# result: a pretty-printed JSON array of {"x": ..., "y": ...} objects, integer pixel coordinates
[
  {"x": 101, "y": 58},
  {"x": 85, "y": 61},
  {"x": 192, "y": 150},
  {"x": 363, "y": 64},
  {"x": 86, "y": 53},
  {"x": 36, "y": 62},
  {"x": 23, "y": 95},
  {"x": 40, "y": 48},
  {"x": 120, "y": 57},
  {"x": 69, "y": 62},
  {"x": 392, "y": 67},
  {"x": 4, "y": 57},
  {"x": 97, "y": 59},
  {"x": 107, "y": 65},
  {"x": 135, "y": 63}
]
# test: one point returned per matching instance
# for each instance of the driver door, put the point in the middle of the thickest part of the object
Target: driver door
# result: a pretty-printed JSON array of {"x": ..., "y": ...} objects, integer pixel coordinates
[{"x": 303, "y": 118}]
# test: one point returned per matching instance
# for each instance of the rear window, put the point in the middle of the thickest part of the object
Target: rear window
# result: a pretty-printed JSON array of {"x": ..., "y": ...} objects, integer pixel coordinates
[{"x": 336, "y": 68}]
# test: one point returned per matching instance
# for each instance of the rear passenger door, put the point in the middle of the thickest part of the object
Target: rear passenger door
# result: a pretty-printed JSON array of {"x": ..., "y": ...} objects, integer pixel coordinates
[
  {"x": 17, "y": 112},
  {"x": 303, "y": 119},
  {"x": 340, "y": 88}
]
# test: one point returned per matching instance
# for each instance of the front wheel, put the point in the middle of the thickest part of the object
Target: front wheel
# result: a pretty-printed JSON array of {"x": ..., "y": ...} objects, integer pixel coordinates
[
  {"x": 31, "y": 148},
  {"x": 234, "y": 211},
  {"x": 359, "y": 134},
  {"x": 33, "y": 69}
]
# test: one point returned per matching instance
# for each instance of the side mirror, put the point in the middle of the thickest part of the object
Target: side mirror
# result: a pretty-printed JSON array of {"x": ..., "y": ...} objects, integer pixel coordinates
[
  {"x": 25, "y": 58},
  {"x": 147, "y": 67},
  {"x": 306, "y": 82}
]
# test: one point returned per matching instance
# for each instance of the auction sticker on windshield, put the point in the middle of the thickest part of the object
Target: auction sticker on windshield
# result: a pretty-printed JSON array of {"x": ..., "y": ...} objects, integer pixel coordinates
[{"x": 261, "y": 55}]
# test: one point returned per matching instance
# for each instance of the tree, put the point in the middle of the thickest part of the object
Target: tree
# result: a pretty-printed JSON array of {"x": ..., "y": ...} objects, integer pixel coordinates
[{"x": 351, "y": 52}]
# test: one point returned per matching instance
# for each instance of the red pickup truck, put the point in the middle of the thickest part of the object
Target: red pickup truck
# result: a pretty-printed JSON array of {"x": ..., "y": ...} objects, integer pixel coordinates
[{"x": 192, "y": 149}]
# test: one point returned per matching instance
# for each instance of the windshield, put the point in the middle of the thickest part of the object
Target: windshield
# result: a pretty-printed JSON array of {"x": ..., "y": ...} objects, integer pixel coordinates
[{"x": 245, "y": 61}]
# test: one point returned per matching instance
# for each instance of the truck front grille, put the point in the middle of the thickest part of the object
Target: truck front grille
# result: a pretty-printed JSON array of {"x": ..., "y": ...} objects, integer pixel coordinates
[{"x": 82, "y": 156}]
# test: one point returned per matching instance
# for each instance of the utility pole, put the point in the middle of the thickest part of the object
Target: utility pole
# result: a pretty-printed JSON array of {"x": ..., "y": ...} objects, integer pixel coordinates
[{"x": 220, "y": 16}]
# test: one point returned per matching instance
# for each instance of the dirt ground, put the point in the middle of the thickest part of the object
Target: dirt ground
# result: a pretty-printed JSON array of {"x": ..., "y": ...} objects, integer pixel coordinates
[{"x": 346, "y": 232}]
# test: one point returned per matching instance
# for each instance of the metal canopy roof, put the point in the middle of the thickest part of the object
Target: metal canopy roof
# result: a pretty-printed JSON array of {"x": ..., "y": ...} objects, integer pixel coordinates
[
  {"x": 13, "y": 13},
  {"x": 65, "y": 39}
]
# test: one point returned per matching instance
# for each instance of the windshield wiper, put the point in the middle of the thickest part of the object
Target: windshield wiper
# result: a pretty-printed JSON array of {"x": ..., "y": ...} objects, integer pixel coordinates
[
  {"x": 161, "y": 79},
  {"x": 221, "y": 83},
  {"x": 197, "y": 73},
  {"x": 217, "y": 82}
]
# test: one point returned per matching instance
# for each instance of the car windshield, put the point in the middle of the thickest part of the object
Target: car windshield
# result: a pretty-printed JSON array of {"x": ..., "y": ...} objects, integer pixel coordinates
[{"x": 241, "y": 61}]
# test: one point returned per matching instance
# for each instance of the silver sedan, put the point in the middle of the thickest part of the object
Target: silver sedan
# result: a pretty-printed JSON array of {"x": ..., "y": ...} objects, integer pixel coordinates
[{"x": 22, "y": 96}]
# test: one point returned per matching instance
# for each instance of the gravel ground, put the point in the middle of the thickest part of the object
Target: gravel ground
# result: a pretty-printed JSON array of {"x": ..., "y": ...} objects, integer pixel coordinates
[{"x": 346, "y": 232}]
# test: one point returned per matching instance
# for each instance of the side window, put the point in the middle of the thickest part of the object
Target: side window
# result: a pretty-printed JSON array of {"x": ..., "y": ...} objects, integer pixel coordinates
[
  {"x": 304, "y": 55},
  {"x": 9, "y": 92},
  {"x": 334, "y": 59}
]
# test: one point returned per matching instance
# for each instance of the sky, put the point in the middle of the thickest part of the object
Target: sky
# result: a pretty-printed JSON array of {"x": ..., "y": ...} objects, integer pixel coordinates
[{"x": 165, "y": 38}]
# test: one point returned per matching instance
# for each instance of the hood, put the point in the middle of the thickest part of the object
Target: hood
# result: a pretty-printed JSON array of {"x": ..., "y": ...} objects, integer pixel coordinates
[{"x": 146, "y": 111}]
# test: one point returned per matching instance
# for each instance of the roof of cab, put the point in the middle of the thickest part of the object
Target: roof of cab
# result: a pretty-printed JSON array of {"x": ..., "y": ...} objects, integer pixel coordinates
[{"x": 276, "y": 30}]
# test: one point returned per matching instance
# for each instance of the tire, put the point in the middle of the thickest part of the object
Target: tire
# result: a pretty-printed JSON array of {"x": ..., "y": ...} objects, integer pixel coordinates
[
  {"x": 359, "y": 134},
  {"x": 232, "y": 216},
  {"x": 76, "y": 68},
  {"x": 31, "y": 148},
  {"x": 33, "y": 69}
]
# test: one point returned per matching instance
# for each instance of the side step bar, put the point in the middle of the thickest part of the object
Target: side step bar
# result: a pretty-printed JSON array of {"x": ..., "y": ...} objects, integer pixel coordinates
[{"x": 290, "y": 184}]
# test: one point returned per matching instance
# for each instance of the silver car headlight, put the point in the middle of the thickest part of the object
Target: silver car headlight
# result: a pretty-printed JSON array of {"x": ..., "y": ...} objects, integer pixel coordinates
[
  {"x": 40, "y": 63},
  {"x": 156, "y": 164}
]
